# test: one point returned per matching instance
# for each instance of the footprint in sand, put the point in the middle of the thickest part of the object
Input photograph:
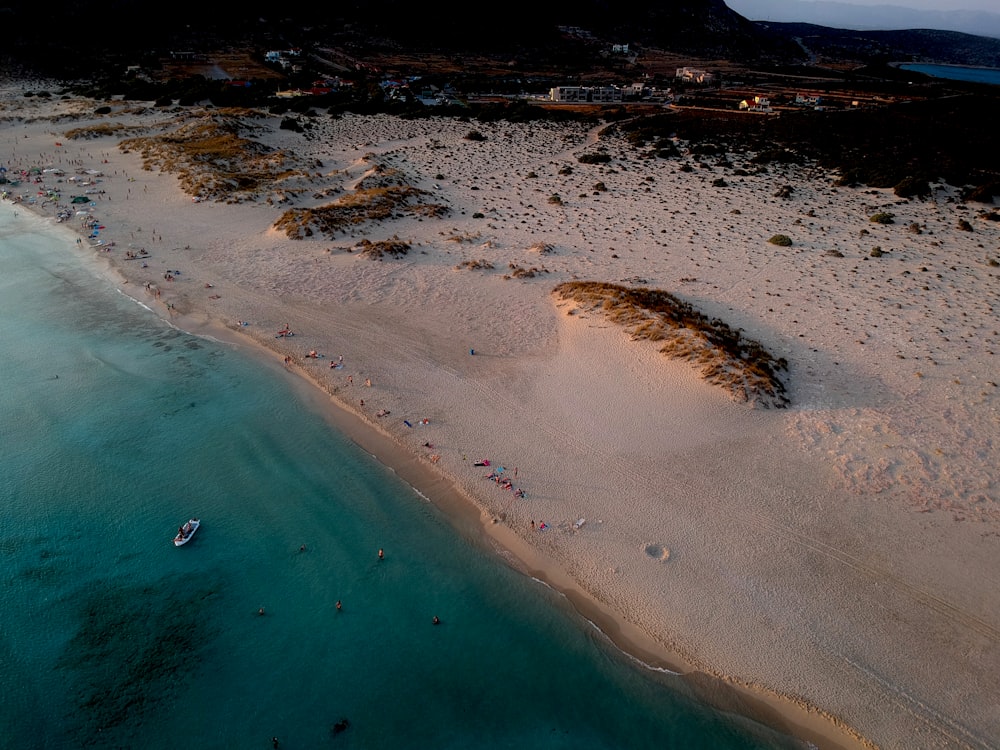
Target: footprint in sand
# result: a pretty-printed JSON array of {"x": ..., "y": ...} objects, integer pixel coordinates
[{"x": 658, "y": 552}]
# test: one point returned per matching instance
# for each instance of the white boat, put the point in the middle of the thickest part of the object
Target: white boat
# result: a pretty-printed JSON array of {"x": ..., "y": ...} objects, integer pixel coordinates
[{"x": 185, "y": 532}]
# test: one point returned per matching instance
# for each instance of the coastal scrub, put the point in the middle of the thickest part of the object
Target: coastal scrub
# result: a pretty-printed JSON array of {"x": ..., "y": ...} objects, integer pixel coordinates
[{"x": 740, "y": 365}]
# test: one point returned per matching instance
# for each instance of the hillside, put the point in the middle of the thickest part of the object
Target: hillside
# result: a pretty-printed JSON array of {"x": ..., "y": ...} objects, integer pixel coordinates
[
  {"x": 706, "y": 28},
  {"x": 914, "y": 45}
]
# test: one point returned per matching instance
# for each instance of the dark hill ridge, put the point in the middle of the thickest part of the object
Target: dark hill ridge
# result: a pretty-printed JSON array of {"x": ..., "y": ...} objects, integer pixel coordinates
[
  {"x": 706, "y": 28},
  {"x": 912, "y": 45},
  {"x": 73, "y": 38}
]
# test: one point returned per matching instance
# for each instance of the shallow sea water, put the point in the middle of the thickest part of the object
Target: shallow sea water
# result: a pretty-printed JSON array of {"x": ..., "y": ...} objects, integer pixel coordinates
[{"x": 117, "y": 427}]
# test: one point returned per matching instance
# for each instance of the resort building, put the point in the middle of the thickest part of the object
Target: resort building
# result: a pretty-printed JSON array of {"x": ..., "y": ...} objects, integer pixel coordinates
[
  {"x": 694, "y": 75},
  {"x": 757, "y": 104},
  {"x": 597, "y": 94}
]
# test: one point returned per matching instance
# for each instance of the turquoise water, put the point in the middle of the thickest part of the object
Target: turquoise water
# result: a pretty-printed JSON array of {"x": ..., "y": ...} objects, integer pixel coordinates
[
  {"x": 116, "y": 428},
  {"x": 956, "y": 72}
]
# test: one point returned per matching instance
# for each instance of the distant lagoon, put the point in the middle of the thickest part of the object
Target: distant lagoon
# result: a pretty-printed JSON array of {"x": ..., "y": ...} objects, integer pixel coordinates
[{"x": 956, "y": 72}]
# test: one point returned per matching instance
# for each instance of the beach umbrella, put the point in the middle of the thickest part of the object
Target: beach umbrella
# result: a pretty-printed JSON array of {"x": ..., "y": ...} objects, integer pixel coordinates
[{"x": 80, "y": 199}]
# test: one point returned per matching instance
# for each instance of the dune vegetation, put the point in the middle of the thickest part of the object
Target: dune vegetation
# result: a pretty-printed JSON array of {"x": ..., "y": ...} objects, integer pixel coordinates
[{"x": 726, "y": 357}]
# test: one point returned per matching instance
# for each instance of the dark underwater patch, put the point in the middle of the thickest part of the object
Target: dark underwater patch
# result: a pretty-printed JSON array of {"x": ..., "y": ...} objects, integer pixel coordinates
[{"x": 135, "y": 649}]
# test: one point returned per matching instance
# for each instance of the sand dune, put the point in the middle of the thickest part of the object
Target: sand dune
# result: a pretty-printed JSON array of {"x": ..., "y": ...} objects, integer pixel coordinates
[{"x": 841, "y": 553}]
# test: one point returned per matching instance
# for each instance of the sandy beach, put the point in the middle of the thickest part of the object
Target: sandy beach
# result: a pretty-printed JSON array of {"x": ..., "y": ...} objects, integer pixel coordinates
[{"x": 832, "y": 567}]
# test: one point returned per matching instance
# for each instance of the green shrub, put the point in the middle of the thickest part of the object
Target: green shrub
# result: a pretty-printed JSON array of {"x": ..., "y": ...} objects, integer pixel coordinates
[
  {"x": 910, "y": 187},
  {"x": 982, "y": 193},
  {"x": 781, "y": 240},
  {"x": 707, "y": 148},
  {"x": 882, "y": 217},
  {"x": 964, "y": 225},
  {"x": 877, "y": 252},
  {"x": 474, "y": 135},
  {"x": 555, "y": 200},
  {"x": 666, "y": 149},
  {"x": 593, "y": 158},
  {"x": 719, "y": 182}
]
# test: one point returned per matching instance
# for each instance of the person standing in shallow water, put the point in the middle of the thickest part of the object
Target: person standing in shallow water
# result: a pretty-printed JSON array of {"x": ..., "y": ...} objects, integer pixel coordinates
[{"x": 381, "y": 554}]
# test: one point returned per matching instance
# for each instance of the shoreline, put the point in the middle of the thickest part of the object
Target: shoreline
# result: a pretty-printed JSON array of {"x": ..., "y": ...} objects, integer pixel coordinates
[
  {"x": 464, "y": 514},
  {"x": 516, "y": 391},
  {"x": 775, "y": 711}
]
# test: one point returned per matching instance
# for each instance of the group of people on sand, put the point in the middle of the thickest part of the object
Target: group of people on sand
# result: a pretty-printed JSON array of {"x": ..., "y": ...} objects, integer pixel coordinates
[{"x": 500, "y": 476}]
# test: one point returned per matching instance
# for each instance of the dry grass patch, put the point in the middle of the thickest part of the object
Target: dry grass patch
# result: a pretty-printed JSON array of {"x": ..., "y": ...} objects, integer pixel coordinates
[
  {"x": 355, "y": 209},
  {"x": 395, "y": 247},
  {"x": 740, "y": 365},
  {"x": 214, "y": 159},
  {"x": 520, "y": 272},
  {"x": 542, "y": 248},
  {"x": 475, "y": 265},
  {"x": 105, "y": 129},
  {"x": 381, "y": 176}
]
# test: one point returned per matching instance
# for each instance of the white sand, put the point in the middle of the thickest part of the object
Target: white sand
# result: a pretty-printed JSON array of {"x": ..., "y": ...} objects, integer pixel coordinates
[{"x": 843, "y": 553}]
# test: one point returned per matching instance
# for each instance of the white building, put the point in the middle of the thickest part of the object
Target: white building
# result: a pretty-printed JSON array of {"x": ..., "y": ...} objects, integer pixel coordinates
[
  {"x": 694, "y": 75},
  {"x": 601, "y": 94},
  {"x": 757, "y": 104}
]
